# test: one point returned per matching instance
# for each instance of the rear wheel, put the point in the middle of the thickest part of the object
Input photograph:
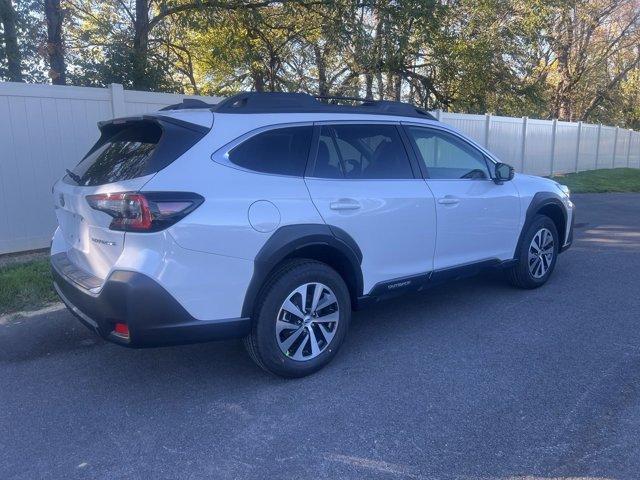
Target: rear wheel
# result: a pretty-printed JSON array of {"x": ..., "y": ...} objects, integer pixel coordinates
[
  {"x": 301, "y": 320},
  {"x": 537, "y": 255}
]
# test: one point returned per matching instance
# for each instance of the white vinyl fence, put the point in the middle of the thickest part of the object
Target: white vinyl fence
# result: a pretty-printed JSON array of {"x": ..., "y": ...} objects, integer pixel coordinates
[
  {"x": 45, "y": 129},
  {"x": 547, "y": 147}
]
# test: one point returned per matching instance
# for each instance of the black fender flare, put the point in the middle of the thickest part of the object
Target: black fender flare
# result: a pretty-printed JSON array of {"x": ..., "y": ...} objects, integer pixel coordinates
[
  {"x": 538, "y": 202},
  {"x": 288, "y": 239}
]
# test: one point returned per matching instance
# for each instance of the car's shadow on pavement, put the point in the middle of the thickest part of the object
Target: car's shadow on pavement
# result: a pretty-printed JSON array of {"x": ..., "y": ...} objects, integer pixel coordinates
[{"x": 57, "y": 332}]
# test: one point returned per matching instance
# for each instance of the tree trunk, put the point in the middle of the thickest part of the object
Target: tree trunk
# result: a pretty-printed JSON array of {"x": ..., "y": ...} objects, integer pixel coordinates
[
  {"x": 141, "y": 46},
  {"x": 369, "y": 85},
  {"x": 389, "y": 86},
  {"x": 377, "y": 55},
  {"x": 55, "y": 47},
  {"x": 564, "y": 40},
  {"x": 397, "y": 87},
  {"x": 323, "y": 89},
  {"x": 274, "y": 64},
  {"x": 14, "y": 59},
  {"x": 563, "y": 98},
  {"x": 380, "y": 83},
  {"x": 257, "y": 75}
]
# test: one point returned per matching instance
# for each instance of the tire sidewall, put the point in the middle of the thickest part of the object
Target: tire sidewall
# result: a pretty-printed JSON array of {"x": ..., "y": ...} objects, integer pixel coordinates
[{"x": 265, "y": 326}]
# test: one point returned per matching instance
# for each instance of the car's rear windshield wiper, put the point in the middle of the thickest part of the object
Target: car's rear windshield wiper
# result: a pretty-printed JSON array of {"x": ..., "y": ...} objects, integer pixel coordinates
[{"x": 74, "y": 176}]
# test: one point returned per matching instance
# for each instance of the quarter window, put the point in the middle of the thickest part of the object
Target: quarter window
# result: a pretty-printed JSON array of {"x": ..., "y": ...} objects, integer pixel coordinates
[
  {"x": 446, "y": 156},
  {"x": 368, "y": 151},
  {"x": 282, "y": 151}
]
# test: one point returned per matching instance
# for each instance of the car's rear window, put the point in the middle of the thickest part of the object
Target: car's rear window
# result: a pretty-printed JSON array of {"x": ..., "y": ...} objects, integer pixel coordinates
[
  {"x": 133, "y": 149},
  {"x": 123, "y": 156}
]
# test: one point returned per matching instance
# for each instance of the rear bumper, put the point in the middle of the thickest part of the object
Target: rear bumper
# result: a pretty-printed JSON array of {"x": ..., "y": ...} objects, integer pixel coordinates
[{"x": 153, "y": 316}]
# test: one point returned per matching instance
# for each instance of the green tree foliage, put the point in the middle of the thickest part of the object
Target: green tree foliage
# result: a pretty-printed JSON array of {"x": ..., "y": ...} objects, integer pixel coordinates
[{"x": 570, "y": 59}]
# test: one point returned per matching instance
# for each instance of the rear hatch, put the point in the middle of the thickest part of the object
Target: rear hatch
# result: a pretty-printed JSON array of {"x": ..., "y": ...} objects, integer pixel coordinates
[{"x": 127, "y": 155}]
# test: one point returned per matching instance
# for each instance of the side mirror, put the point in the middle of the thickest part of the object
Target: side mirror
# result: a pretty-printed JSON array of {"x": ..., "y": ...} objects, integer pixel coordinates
[{"x": 503, "y": 172}]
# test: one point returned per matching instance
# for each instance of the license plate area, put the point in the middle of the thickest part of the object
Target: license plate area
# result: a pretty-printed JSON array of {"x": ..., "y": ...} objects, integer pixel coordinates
[{"x": 70, "y": 225}]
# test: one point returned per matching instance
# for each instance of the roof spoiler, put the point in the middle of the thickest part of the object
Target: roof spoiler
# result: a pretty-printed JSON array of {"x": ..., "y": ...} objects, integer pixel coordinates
[{"x": 118, "y": 122}]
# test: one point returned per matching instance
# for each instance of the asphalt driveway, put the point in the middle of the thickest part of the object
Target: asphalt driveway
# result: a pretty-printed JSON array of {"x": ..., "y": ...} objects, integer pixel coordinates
[{"x": 473, "y": 379}]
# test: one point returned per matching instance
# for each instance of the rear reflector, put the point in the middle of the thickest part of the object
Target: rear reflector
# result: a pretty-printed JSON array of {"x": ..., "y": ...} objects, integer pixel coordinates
[
  {"x": 144, "y": 212},
  {"x": 122, "y": 330}
]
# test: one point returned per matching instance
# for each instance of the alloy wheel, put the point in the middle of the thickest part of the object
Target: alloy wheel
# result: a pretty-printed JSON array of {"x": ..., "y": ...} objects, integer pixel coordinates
[
  {"x": 307, "y": 321},
  {"x": 541, "y": 253}
]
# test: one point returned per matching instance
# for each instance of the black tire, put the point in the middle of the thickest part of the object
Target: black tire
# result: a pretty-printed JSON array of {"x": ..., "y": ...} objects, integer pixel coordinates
[
  {"x": 262, "y": 344},
  {"x": 520, "y": 274}
]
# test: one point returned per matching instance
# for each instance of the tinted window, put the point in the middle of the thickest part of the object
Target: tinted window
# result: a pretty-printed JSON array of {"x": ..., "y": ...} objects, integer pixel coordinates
[
  {"x": 361, "y": 151},
  {"x": 283, "y": 151},
  {"x": 446, "y": 156},
  {"x": 123, "y": 155},
  {"x": 134, "y": 149}
]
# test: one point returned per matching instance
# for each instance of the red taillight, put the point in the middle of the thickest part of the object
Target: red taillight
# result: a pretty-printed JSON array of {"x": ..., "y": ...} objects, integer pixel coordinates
[
  {"x": 130, "y": 211},
  {"x": 148, "y": 212}
]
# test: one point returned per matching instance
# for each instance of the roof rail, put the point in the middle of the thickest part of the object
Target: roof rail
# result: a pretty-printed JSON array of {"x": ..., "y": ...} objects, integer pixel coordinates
[
  {"x": 284, "y": 102},
  {"x": 390, "y": 106},
  {"x": 339, "y": 98},
  {"x": 251, "y": 102},
  {"x": 188, "y": 103}
]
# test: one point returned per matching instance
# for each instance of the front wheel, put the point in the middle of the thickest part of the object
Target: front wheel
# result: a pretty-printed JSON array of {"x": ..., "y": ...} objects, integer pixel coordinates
[
  {"x": 537, "y": 255},
  {"x": 301, "y": 320}
]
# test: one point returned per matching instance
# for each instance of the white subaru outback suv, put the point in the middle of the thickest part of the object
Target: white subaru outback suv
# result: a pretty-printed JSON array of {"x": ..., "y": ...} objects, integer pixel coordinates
[{"x": 270, "y": 216}]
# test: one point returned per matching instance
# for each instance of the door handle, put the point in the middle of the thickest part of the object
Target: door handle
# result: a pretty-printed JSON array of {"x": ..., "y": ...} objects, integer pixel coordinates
[
  {"x": 345, "y": 204},
  {"x": 449, "y": 200}
]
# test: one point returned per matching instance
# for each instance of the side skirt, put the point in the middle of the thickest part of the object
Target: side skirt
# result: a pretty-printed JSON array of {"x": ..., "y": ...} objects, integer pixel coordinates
[{"x": 416, "y": 283}]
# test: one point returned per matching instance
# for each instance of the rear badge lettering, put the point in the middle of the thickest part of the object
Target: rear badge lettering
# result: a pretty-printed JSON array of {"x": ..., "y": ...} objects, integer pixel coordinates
[{"x": 103, "y": 242}]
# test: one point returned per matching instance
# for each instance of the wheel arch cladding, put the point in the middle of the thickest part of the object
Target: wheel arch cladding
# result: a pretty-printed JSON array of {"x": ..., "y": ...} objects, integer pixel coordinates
[
  {"x": 558, "y": 215},
  {"x": 550, "y": 205},
  {"x": 324, "y": 243}
]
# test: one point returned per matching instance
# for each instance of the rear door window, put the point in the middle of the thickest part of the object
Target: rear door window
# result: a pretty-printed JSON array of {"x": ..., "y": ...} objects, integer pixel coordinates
[
  {"x": 361, "y": 151},
  {"x": 281, "y": 151}
]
